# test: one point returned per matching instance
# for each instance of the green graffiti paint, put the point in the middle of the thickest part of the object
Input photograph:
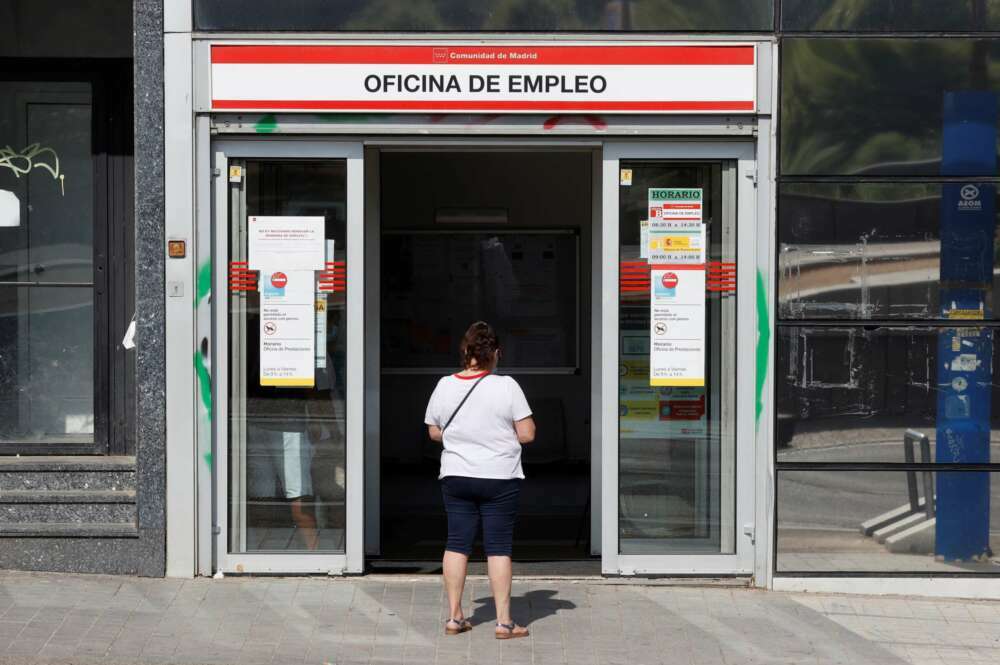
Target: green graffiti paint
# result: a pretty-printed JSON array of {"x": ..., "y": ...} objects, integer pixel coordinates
[
  {"x": 763, "y": 342},
  {"x": 204, "y": 283},
  {"x": 268, "y": 124},
  {"x": 204, "y": 383},
  {"x": 208, "y": 459}
]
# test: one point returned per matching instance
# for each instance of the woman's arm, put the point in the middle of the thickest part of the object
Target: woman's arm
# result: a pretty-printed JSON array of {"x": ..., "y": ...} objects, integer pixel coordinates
[
  {"x": 435, "y": 433},
  {"x": 525, "y": 430}
]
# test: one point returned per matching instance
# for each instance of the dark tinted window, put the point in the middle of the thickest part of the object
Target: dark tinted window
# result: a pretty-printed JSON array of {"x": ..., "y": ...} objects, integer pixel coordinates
[
  {"x": 487, "y": 15},
  {"x": 873, "y": 250},
  {"x": 849, "y": 394},
  {"x": 882, "y": 16},
  {"x": 879, "y": 106}
]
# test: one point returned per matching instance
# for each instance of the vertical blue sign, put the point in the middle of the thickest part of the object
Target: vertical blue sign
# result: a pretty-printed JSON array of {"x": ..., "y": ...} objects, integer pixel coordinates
[{"x": 965, "y": 355}]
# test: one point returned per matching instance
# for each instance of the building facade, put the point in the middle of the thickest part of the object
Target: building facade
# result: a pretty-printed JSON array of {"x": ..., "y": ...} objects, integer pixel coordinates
[{"x": 741, "y": 258}]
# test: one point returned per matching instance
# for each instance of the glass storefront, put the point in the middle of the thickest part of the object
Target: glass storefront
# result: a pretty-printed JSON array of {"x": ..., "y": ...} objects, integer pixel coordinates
[{"x": 885, "y": 437}]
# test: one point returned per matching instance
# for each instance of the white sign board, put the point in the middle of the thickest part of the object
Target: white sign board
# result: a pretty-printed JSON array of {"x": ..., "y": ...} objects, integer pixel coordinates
[
  {"x": 287, "y": 328},
  {"x": 286, "y": 243},
  {"x": 676, "y": 232},
  {"x": 677, "y": 287},
  {"x": 478, "y": 78}
]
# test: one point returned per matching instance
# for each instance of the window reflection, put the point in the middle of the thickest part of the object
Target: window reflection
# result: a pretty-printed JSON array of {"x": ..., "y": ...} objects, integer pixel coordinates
[
  {"x": 849, "y": 394},
  {"x": 875, "y": 106},
  {"x": 914, "y": 15},
  {"x": 862, "y": 521},
  {"x": 487, "y": 16},
  {"x": 867, "y": 251}
]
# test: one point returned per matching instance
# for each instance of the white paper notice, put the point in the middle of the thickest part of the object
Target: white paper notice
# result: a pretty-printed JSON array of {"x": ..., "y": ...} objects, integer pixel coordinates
[
  {"x": 286, "y": 243},
  {"x": 321, "y": 305},
  {"x": 321, "y": 330},
  {"x": 287, "y": 328},
  {"x": 677, "y": 287},
  {"x": 677, "y": 328},
  {"x": 676, "y": 228}
]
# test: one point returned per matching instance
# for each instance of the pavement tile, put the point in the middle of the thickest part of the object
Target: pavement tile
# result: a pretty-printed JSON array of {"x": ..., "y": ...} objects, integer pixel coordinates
[{"x": 266, "y": 621}]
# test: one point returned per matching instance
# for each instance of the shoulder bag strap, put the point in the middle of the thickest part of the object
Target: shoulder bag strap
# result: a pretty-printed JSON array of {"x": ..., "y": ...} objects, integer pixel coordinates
[{"x": 462, "y": 403}]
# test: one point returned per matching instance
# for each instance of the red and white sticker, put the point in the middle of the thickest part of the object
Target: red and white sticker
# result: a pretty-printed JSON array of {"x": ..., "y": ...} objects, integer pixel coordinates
[
  {"x": 279, "y": 280},
  {"x": 665, "y": 78}
]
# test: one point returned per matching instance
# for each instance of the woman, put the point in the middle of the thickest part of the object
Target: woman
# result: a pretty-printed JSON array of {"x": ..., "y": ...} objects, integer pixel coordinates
[{"x": 483, "y": 420}]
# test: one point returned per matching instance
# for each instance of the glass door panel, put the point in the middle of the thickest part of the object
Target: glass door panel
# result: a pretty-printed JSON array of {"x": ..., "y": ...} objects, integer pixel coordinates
[
  {"x": 680, "y": 483},
  {"x": 676, "y": 443},
  {"x": 286, "y": 437},
  {"x": 288, "y": 322}
]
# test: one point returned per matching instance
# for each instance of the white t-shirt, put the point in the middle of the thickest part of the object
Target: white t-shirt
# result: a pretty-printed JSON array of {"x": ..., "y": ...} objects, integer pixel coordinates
[{"x": 481, "y": 441}]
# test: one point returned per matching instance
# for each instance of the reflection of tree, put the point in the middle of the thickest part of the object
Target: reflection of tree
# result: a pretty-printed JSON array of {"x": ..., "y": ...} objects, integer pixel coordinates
[
  {"x": 702, "y": 15},
  {"x": 533, "y": 15},
  {"x": 395, "y": 15},
  {"x": 865, "y": 15},
  {"x": 848, "y": 104},
  {"x": 565, "y": 15}
]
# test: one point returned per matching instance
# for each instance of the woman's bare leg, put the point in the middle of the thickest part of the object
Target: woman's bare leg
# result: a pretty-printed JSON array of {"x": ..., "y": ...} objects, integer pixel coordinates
[
  {"x": 305, "y": 520},
  {"x": 499, "y": 568},
  {"x": 500, "y": 572},
  {"x": 454, "y": 565}
]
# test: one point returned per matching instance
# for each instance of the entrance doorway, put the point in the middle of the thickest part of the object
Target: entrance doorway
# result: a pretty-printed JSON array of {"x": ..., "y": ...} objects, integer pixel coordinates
[
  {"x": 503, "y": 236},
  {"x": 321, "y": 459}
]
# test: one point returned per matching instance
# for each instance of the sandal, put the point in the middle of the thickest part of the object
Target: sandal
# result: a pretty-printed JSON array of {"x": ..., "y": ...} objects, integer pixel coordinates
[
  {"x": 512, "y": 631},
  {"x": 457, "y": 626}
]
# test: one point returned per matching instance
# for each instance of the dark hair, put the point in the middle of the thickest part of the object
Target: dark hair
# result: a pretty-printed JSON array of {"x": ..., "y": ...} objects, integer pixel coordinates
[{"x": 480, "y": 343}]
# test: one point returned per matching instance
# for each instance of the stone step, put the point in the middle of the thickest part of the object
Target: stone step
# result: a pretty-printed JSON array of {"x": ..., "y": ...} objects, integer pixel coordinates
[
  {"x": 66, "y": 512},
  {"x": 67, "y": 473},
  {"x": 68, "y": 530},
  {"x": 67, "y": 496}
]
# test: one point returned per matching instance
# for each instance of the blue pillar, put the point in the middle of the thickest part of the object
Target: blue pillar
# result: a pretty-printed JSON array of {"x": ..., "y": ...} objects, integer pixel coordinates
[{"x": 965, "y": 355}]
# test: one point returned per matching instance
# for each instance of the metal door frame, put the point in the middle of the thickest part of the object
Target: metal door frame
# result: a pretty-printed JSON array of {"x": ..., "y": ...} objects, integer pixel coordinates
[
  {"x": 352, "y": 560},
  {"x": 742, "y": 562}
]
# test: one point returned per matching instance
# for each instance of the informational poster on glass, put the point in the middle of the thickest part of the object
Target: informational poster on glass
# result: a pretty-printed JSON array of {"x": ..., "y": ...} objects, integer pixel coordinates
[
  {"x": 653, "y": 412},
  {"x": 287, "y": 250},
  {"x": 677, "y": 287},
  {"x": 435, "y": 283},
  {"x": 287, "y": 328},
  {"x": 286, "y": 243},
  {"x": 321, "y": 307}
]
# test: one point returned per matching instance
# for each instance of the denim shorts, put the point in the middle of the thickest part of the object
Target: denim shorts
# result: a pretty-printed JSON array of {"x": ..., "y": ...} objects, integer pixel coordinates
[{"x": 471, "y": 501}]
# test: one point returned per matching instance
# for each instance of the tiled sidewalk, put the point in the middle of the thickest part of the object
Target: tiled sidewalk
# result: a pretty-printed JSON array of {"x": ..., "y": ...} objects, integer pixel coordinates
[{"x": 96, "y": 619}]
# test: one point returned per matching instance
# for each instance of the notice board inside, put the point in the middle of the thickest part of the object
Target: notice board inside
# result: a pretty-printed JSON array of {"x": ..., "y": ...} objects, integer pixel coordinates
[{"x": 524, "y": 283}]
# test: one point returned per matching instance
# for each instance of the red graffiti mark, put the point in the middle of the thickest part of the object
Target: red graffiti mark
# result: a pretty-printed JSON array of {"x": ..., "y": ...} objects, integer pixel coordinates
[{"x": 595, "y": 121}]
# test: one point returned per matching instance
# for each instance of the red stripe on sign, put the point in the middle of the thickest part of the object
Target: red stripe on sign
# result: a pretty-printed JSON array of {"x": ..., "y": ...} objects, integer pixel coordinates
[
  {"x": 504, "y": 105},
  {"x": 742, "y": 54},
  {"x": 677, "y": 266}
]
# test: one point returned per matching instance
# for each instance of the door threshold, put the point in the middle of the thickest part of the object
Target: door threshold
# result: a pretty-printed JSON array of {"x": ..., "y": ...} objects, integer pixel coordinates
[{"x": 556, "y": 568}]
